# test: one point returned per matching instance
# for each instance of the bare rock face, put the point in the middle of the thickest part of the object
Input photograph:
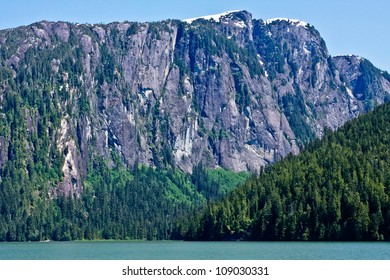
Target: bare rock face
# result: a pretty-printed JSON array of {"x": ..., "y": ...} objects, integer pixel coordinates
[
  {"x": 71, "y": 167},
  {"x": 61, "y": 30},
  {"x": 227, "y": 91}
]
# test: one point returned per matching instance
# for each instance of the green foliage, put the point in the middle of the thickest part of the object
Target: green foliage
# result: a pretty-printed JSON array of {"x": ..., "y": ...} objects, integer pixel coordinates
[
  {"x": 336, "y": 189},
  {"x": 296, "y": 113},
  {"x": 203, "y": 39},
  {"x": 386, "y": 75},
  {"x": 216, "y": 183},
  {"x": 106, "y": 70},
  {"x": 242, "y": 92},
  {"x": 365, "y": 79},
  {"x": 226, "y": 180},
  {"x": 142, "y": 204},
  {"x": 132, "y": 30},
  {"x": 269, "y": 49}
]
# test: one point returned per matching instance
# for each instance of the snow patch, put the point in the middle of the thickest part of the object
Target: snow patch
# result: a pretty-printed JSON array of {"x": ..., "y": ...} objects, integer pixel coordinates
[
  {"x": 240, "y": 24},
  {"x": 262, "y": 64},
  {"x": 351, "y": 56},
  {"x": 216, "y": 17},
  {"x": 296, "y": 22}
]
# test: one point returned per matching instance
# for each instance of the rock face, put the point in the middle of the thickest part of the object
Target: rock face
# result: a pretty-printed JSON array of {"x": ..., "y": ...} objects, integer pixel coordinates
[{"x": 227, "y": 91}]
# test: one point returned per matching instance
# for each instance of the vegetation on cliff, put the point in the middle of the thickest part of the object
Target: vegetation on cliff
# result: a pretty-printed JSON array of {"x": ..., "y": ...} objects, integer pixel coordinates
[{"x": 338, "y": 188}]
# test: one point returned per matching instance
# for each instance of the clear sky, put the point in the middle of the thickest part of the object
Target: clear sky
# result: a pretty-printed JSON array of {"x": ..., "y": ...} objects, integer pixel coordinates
[{"x": 360, "y": 27}]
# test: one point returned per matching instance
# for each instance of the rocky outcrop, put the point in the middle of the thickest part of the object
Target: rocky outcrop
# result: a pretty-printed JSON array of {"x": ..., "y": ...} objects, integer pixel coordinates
[{"x": 227, "y": 90}]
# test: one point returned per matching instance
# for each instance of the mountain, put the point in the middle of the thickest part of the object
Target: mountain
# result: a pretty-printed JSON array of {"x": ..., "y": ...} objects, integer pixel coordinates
[
  {"x": 117, "y": 130},
  {"x": 336, "y": 189},
  {"x": 224, "y": 91}
]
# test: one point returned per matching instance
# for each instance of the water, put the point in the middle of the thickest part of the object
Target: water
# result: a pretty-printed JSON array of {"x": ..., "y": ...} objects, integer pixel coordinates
[{"x": 180, "y": 250}]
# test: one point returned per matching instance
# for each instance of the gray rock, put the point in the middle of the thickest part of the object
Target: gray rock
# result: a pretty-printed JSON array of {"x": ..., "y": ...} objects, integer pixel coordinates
[{"x": 238, "y": 93}]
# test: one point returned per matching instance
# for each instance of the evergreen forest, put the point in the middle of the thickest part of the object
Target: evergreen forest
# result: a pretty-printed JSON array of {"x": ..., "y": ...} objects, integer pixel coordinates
[
  {"x": 116, "y": 203},
  {"x": 338, "y": 188}
]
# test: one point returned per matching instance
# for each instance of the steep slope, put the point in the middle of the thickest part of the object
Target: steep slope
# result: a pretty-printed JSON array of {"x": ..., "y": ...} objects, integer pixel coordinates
[
  {"x": 229, "y": 91},
  {"x": 336, "y": 189}
]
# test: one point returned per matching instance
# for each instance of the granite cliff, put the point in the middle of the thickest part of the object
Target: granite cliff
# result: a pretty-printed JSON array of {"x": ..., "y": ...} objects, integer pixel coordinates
[{"x": 225, "y": 91}]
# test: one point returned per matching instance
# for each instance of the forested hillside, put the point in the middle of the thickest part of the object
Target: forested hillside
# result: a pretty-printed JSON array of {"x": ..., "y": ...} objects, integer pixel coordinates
[
  {"x": 116, "y": 203},
  {"x": 336, "y": 189}
]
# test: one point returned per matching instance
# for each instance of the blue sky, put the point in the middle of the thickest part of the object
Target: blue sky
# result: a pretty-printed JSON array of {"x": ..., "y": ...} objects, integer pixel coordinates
[{"x": 359, "y": 27}]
